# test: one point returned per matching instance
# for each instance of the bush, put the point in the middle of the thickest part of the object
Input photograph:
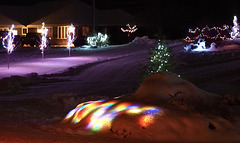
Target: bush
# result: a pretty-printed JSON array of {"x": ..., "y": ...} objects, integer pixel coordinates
[{"x": 98, "y": 40}]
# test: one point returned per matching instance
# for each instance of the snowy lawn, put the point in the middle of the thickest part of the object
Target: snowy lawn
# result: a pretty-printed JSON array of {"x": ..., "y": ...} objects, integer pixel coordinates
[{"x": 35, "y": 111}]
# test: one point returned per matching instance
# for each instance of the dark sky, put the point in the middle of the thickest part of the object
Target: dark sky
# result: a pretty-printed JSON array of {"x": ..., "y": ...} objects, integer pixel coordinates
[{"x": 168, "y": 16}]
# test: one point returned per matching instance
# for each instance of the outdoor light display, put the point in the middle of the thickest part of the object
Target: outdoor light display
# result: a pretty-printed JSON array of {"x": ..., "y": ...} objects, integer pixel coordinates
[
  {"x": 203, "y": 33},
  {"x": 7, "y": 43},
  {"x": 99, "y": 114},
  {"x": 130, "y": 29},
  {"x": 71, "y": 36},
  {"x": 44, "y": 39},
  {"x": 235, "y": 29},
  {"x": 98, "y": 40},
  {"x": 200, "y": 46},
  {"x": 159, "y": 59}
]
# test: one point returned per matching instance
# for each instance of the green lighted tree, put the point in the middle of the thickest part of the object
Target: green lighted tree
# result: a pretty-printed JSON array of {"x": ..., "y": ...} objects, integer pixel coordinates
[{"x": 160, "y": 59}]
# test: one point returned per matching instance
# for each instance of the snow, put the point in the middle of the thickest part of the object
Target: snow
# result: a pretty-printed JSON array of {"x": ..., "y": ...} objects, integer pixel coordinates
[
  {"x": 48, "y": 66},
  {"x": 182, "y": 116},
  {"x": 188, "y": 113}
]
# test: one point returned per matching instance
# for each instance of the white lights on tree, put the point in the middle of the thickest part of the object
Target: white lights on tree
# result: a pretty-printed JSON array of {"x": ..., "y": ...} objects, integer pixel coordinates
[
  {"x": 235, "y": 29},
  {"x": 130, "y": 29},
  {"x": 160, "y": 59},
  {"x": 44, "y": 39},
  {"x": 71, "y": 36},
  {"x": 98, "y": 40},
  {"x": 7, "y": 43}
]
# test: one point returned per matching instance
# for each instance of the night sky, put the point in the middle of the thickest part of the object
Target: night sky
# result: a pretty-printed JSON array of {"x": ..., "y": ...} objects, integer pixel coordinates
[{"x": 170, "y": 18}]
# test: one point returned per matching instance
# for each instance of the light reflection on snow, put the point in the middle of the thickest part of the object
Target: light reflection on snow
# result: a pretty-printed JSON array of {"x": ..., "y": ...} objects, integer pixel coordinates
[
  {"x": 100, "y": 114},
  {"x": 50, "y": 65}
]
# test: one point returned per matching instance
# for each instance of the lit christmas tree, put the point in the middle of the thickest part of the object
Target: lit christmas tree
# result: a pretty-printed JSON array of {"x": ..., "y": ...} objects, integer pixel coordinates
[
  {"x": 235, "y": 29},
  {"x": 160, "y": 60}
]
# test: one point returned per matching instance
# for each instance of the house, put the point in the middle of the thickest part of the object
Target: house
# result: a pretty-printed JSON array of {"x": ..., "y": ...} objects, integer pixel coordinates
[
  {"x": 58, "y": 15},
  {"x": 6, "y": 23}
]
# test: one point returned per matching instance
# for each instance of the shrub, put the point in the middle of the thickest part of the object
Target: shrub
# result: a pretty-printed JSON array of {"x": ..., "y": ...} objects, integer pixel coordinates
[{"x": 98, "y": 40}]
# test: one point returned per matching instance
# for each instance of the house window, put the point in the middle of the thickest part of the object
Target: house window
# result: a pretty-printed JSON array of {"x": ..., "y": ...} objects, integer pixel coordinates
[
  {"x": 24, "y": 31},
  {"x": 62, "y": 32},
  {"x": 15, "y": 32},
  {"x": 85, "y": 31},
  {"x": 105, "y": 30}
]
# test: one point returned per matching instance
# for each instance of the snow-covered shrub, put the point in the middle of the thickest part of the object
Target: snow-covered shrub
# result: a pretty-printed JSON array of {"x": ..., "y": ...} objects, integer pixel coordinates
[
  {"x": 200, "y": 46},
  {"x": 98, "y": 40},
  {"x": 143, "y": 40}
]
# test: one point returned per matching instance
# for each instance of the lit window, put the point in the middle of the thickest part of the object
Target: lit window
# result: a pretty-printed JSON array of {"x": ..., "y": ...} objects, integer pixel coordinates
[
  {"x": 85, "y": 31},
  {"x": 105, "y": 30},
  {"x": 15, "y": 32},
  {"x": 24, "y": 31},
  {"x": 62, "y": 32}
]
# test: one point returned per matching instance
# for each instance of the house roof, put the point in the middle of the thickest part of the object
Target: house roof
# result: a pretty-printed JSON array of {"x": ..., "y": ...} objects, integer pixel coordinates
[
  {"x": 62, "y": 13},
  {"x": 79, "y": 13},
  {"x": 73, "y": 12},
  {"x": 113, "y": 17},
  {"x": 6, "y": 21},
  {"x": 28, "y": 14}
]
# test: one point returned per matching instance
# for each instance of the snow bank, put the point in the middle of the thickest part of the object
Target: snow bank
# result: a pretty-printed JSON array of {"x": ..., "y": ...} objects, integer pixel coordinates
[
  {"x": 167, "y": 87},
  {"x": 176, "y": 97},
  {"x": 143, "y": 40},
  {"x": 185, "y": 114}
]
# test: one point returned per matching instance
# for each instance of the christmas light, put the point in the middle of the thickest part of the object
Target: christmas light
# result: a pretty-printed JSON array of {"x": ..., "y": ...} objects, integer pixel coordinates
[
  {"x": 7, "y": 43},
  {"x": 203, "y": 34},
  {"x": 100, "y": 114},
  {"x": 130, "y": 29},
  {"x": 235, "y": 29},
  {"x": 200, "y": 46},
  {"x": 98, "y": 40},
  {"x": 44, "y": 31},
  {"x": 71, "y": 36},
  {"x": 159, "y": 61}
]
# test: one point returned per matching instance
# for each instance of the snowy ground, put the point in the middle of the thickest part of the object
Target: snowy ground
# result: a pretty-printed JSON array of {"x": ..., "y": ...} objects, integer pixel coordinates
[{"x": 33, "y": 106}]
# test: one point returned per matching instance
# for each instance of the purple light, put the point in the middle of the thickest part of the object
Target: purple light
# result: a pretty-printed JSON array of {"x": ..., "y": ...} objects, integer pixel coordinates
[
  {"x": 8, "y": 43},
  {"x": 71, "y": 36},
  {"x": 44, "y": 39}
]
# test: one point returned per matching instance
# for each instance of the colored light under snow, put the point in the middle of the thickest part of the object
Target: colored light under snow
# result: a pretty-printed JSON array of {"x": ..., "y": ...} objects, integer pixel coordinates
[{"x": 100, "y": 114}]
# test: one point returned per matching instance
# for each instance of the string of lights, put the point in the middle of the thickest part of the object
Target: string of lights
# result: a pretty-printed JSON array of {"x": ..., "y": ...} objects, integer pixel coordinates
[
  {"x": 130, "y": 29},
  {"x": 71, "y": 36},
  {"x": 203, "y": 34},
  {"x": 235, "y": 29},
  {"x": 7, "y": 43},
  {"x": 44, "y": 39}
]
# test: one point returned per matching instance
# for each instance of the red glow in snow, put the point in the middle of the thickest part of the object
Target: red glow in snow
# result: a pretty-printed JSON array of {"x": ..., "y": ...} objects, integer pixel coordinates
[{"x": 100, "y": 114}]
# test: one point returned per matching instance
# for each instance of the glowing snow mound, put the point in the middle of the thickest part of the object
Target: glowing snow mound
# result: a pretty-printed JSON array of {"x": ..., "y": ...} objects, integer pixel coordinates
[
  {"x": 167, "y": 87},
  {"x": 99, "y": 115},
  {"x": 150, "y": 116}
]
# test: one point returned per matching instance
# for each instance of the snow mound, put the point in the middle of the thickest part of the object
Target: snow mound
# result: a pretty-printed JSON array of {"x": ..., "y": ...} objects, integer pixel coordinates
[
  {"x": 67, "y": 101},
  {"x": 162, "y": 93},
  {"x": 143, "y": 40},
  {"x": 162, "y": 88}
]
